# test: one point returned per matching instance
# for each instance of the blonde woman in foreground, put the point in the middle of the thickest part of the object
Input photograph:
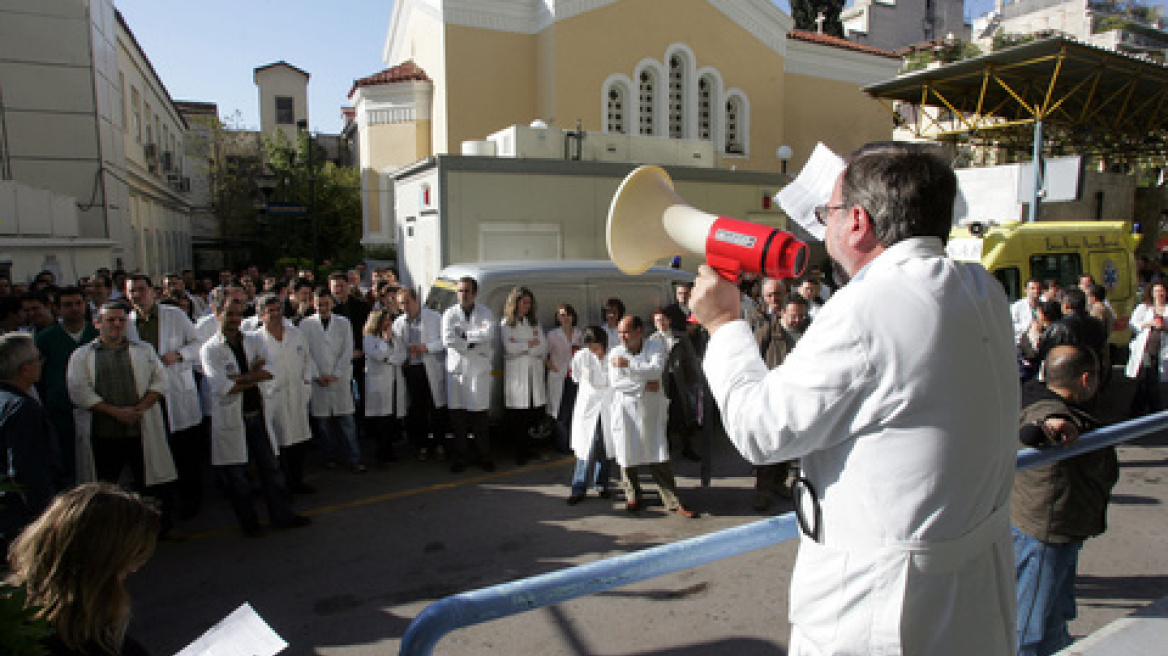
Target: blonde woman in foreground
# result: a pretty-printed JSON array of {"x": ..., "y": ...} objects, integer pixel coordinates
[{"x": 73, "y": 562}]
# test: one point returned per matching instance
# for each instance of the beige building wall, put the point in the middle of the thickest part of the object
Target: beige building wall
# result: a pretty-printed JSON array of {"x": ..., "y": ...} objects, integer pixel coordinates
[
  {"x": 423, "y": 40},
  {"x": 281, "y": 80},
  {"x": 490, "y": 84}
]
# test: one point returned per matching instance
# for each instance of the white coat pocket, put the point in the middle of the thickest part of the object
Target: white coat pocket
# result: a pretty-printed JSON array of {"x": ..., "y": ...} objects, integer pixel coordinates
[{"x": 817, "y": 592}]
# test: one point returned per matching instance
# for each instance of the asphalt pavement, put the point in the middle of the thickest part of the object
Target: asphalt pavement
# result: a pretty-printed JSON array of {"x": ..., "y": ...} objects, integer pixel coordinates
[{"x": 385, "y": 544}]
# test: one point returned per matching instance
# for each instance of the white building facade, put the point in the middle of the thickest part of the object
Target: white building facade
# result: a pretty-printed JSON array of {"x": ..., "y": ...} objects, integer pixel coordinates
[{"x": 91, "y": 164}]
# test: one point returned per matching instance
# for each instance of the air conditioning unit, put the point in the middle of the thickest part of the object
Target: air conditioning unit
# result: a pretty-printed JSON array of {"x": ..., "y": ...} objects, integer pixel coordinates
[
  {"x": 167, "y": 161},
  {"x": 150, "y": 151}
]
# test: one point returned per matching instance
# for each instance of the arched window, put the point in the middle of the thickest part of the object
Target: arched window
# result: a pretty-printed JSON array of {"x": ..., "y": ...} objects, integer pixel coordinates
[
  {"x": 735, "y": 125},
  {"x": 647, "y": 91},
  {"x": 676, "y": 96},
  {"x": 615, "y": 103},
  {"x": 706, "y": 103}
]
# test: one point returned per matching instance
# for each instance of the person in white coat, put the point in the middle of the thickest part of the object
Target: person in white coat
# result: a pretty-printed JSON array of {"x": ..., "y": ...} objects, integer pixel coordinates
[
  {"x": 420, "y": 330},
  {"x": 287, "y": 395},
  {"x": 1148, "y": 362},
  {"x": 563, "y": 343},
  {"x": 901, "y": 403},
  {"x": 468, "y": 333},
  {"x": 330, "y": 341},
  {"x": 640, "y": 408},
  {"x": 385, "y": 386},
  {"x": 591, "y": 417},
  {"x": 173, "y": 336},
  {"x": 236, "y": 366},
  {"x": 524, "y": 387},
  {"x": 116, "y": 385}
]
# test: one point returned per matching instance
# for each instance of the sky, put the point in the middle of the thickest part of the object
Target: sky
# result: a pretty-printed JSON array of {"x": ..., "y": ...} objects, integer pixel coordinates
[{"x": 207, "y": 50}]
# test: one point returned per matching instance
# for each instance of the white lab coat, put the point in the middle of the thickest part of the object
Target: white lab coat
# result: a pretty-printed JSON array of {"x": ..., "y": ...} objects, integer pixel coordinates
[
  {"x": 638, "y": 421},
  {"x": 385, "y": 385},
  {"x": 176, "y": 333},
  {"x": 593, "y": 403},
  {"x": 901, "y": 403},
  {"x": 468, "y": 357},
  {"x": 560, "y": 352},
  {"x": 228, "y": 434},
  {"x": 149, "y": 376},
  {"x": 435, "y": 354},
  {"x": 332, "y": 353},
  {"x": 287, "y": 395},
  {"x": 205, "y": 329},
  {"x": 1139, "y": 343},
  {"x": 1021, "y": 316},
  {"x": 523, "y": 368}
]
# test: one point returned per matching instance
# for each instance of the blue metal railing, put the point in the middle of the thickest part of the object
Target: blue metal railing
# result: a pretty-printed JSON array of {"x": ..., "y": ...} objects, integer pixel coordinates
[{"x": 486, "y": 604}]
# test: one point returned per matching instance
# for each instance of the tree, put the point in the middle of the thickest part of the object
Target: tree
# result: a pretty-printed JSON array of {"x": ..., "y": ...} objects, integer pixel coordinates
[
  {"x": 806, "y": 11},
  {"x": 337, "y": 205}
]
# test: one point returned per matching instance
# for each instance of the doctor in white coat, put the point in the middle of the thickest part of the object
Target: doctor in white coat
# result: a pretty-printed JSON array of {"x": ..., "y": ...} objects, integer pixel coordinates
[
  {"x": 640, "y": 409},
  {"x": 174, "y": 338},
  {"x": 468, "y": 333},
  {"x": 385, "y": 386},
  {"x": 901, "y": 403},
  {"x": 591, "y": 417},
  {"x": 420, "y": 330},
  {"x": 524, "y": 385},
  {"x": 287, "y": 395},
  {"x": 236, "y": 367},
  {"x": 330, "y": 341}
]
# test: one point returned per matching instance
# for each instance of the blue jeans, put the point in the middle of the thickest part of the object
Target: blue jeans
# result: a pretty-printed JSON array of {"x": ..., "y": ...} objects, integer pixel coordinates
[
  {"x": 328, "y": 427},
  {"x": 597, "y": 462},
  {"x": 234, "y": 479},
  {"x": 1045, "y": 574}
]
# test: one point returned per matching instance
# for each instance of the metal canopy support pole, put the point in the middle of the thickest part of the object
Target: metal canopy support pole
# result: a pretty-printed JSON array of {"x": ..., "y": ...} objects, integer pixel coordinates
[{"x": 1036, "y": 161}]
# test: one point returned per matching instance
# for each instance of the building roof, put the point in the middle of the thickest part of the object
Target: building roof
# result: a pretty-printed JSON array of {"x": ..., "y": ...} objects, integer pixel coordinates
[
  {"x": 133, "y": 39},
  {"x": 837, "y": 42},
  {"x": 1089, "y": 98},
  {"x": 406, "y": 71},
  {"x": 196, "y": 107},
  {"x": 283, "y": 63}
]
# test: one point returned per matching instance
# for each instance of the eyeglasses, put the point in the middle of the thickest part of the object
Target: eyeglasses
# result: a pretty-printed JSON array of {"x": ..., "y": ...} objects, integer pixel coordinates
[{"x": 824, "y": 211}]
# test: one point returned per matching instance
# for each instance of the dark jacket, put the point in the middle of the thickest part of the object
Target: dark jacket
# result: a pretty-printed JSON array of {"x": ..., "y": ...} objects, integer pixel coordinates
[
  {"x": 774, "y": 342},
  {"x": 1088, "y": 331},
  {"x": 1065, "y": 501},
  {"x": 30, "y": 459}
]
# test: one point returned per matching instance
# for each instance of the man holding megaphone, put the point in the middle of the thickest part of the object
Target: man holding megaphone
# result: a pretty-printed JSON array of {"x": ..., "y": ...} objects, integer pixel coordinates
[{"x": 900, "y": 402}]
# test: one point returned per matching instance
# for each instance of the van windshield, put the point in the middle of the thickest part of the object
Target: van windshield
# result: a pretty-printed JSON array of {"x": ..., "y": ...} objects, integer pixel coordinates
[{"x": 442, "y": 294}]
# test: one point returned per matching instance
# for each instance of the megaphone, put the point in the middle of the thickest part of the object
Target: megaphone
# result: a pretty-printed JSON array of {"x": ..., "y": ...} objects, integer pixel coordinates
[{"x": 648, "y": 221}]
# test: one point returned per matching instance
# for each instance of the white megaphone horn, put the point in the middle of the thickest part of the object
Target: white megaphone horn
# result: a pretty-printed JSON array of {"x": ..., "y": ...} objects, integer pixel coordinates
[{"x": 648, "y": 221}]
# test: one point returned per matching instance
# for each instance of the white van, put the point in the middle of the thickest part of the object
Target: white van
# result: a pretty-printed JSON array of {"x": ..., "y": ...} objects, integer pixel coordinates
[{"x": 583, "y": 284}]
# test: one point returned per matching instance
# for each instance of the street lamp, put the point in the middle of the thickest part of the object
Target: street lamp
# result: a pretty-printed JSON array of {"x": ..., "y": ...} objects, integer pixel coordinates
[
  {"x": 302, "y": 126},
  {"x": 784, "y": 153}
]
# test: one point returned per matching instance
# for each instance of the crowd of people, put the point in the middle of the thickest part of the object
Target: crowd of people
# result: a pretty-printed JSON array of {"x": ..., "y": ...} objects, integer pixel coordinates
[
  {"x": 902, "y": 473},
  {"x": 119, "y": 380}
]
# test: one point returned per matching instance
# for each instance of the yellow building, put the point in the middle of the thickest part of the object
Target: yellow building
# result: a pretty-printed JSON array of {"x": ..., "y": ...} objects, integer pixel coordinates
[{"x": 732, "y": 72}]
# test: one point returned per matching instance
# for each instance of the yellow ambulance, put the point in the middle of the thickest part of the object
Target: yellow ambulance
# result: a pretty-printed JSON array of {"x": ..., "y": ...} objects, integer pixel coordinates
[{"x": 1059, "y": 250}]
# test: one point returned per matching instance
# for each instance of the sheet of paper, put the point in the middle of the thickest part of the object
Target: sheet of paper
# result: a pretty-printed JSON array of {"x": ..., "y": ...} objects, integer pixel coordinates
[
  {"x": 812, "y": 187},
  {"x": 242, "y": 633}
]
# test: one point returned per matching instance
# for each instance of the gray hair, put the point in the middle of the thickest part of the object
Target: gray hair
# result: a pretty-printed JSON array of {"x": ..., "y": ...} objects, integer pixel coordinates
[
  {"x": 906, "y": 189},
  {"x": 16, "y": 350}
]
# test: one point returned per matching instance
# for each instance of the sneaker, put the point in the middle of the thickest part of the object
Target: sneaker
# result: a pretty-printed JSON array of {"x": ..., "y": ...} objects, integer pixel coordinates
[{"x": 575, "y": 499}]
